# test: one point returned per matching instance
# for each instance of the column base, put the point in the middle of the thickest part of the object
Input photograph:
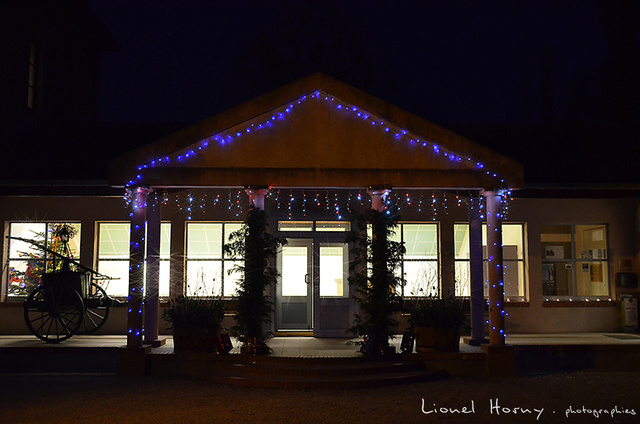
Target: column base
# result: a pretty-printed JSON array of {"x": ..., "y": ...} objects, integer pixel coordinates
[
  {"x": 471, "y": 341},
  {"x": 501, "y": 360},
  {"x": 132, "y": 361}
]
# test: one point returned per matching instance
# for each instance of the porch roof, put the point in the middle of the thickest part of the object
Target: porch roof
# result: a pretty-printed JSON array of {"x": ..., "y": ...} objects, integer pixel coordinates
[{"x": 316, "y": 132}]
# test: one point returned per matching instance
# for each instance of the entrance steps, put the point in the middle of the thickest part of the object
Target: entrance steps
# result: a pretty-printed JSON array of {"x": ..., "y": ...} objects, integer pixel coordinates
[{"x": 295, "y": 372}]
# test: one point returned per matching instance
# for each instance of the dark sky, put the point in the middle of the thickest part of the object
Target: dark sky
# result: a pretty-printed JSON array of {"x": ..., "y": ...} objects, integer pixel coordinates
[
  {"x": 450, "y": 62},
  {"x": 552, "y": 83}
]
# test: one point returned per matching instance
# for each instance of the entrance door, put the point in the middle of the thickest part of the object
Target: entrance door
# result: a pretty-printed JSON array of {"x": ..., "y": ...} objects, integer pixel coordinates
[{"x": 294, "y": 292}]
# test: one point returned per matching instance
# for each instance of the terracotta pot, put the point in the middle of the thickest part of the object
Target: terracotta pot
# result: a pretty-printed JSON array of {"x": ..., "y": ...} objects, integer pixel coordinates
[
  {"x": 436, "y": 339},
  {"x": 190, "y": 338}
]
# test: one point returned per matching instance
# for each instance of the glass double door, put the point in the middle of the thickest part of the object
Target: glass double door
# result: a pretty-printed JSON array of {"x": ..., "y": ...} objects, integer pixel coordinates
[{"x": 311, "y": 274}]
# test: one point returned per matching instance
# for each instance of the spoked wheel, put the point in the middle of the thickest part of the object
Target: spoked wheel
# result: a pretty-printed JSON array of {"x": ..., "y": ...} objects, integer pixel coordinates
[
  {"x": 96, "y": 309},
  {"x": 54, "y": 314}
]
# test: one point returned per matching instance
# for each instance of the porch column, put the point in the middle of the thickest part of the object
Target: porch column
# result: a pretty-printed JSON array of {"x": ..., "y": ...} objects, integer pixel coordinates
[
  {"x": 136, "y": 266},
  {"x": 495, "y": 271},
  {"x": 476, "y": 278},
  {"x": 378, "y": 198},
  {"x": 256, "y": 196},
  {"x": 152, "y": 298}
]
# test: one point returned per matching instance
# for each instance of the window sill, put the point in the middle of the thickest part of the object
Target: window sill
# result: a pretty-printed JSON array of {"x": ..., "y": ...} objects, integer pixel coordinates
[{"x": 581, "y": 303}]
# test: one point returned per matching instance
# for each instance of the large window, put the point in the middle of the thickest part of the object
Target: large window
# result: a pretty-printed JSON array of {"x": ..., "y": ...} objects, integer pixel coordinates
[
  {"x": 113, "y": 257},
  {"x": 27, "y": 262},
  {"x": 207, "y": 265},
  {"x": 420, "y": 262},
  {"x": 514, "y": 260},
  {"x": 574, "y": 261}
]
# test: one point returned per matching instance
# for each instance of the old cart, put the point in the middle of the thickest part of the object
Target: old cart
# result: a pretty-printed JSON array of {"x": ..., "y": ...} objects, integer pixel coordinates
[{"x": 66, "y": 302}]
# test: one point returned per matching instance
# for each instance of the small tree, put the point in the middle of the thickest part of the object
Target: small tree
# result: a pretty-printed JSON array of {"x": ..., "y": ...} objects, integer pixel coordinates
[
  {"x": 253, "y": 243},
  {"x": 375, "y": 277}
]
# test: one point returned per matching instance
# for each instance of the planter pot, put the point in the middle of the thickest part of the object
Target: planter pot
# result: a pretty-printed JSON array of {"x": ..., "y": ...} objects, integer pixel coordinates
[
  {"x": 436, "y": 339},
  {"x": 195, "y": 339}
]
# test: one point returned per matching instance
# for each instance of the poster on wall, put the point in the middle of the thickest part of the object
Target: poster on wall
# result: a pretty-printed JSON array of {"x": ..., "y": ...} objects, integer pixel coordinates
[
  {"x": 596, "y": 273},
  {"x": 548, "y": 273},
  {"x": 554, "y": 252}
]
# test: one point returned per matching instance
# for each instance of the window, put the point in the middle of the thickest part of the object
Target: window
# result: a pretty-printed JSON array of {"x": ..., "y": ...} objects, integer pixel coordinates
[
  {"x": 514, "y": 265},
  {"x": 574, "y": 261},
  {"x": 420, "y": 262},
  {"x": 207, "y": 265},
  {"x": 320, "y": 226},
  {"x": 26, "y": 262},
  {"x": 334, "y": 270},
  {"x": 113, "y": 257}
]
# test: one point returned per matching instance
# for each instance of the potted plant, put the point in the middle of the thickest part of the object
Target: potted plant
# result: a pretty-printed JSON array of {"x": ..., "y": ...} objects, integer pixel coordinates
[
  {"x": 257, "y": 248},
  {"x": 376, "y": 281},
  {"x": 195, "y": 321},
  {"x": 436, "y": 324}
]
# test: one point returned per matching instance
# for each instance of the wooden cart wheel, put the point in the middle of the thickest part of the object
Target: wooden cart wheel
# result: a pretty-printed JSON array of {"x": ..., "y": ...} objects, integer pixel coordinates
[
  {"x": 54, "y": 314},
  {"x": 96, "y": 309}
]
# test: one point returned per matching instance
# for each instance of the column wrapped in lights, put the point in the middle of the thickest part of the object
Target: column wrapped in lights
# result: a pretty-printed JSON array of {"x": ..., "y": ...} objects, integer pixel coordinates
[
  {"x": 476, "y": 269},
  {"x": 136, "y": 266},
  {"x": 495, "y": 271},
  {"x": 152, "y": 298}
]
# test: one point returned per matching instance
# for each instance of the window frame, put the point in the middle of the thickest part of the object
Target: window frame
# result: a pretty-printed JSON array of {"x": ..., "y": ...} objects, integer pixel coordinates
[
  {"x": 399, "y": 236},
  {"x": 575, "y": 261},
  {"x": 162, "y": 260},
  {"x": 49, "y": 226},
  {"x": 521, "y": 263},
  {"x": 226, "y": 262}
]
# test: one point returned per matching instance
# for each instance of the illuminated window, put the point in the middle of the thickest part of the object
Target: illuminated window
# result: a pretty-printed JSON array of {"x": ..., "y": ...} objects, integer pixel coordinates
[
  {"x": 574, "y": 261},
  {"x": 114, "y": 253},
  {"x": 420, "y": 262},
  {"x": 514, "y": 260},
  {"x": 27, "y": 262},
  {"x": 207, "y": 266}
]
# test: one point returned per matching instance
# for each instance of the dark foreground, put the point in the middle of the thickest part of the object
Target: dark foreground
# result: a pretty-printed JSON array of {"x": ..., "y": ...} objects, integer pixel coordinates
[{"x": 581, "y": 397}]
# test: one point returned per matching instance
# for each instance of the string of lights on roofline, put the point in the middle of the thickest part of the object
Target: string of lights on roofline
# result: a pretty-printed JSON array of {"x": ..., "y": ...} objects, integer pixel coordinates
[
  {"x": 331, "y": 203},
  {"x": 229, "y": 136}
]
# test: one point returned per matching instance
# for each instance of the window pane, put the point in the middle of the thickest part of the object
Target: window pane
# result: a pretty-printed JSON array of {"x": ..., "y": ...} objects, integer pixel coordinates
[
  {"x": 74, "y": 242},
  {"x": 29, "y": 231},
  {"x": 115, "y": 269},
  {"x": 591, "y": 242},
  {"x": 164, "y": 280},
  {"x": 513, "y": 278},
  {"x": 512, "y": 241},
  {"x": 556, "y": 242},
  {"x": 592, "y": 279},
  {"x": 461, "y": 241},
  {"x": 294, "y": 275},
  {"x": 333, "y": 226},
  {"x": 165, "y": 240},
  {"x": 332, "y": 276},
  {"x": 422, "y": 278},
  {"x": 230, "y": 228},
  {"x": 113, "y": 240},
  {"x": 421, "y": 241},
  {"x": 204, "y": 240},
  {"x": 463, "y": 284},
  {"x": 204, "y": 278},
  {"x": 232, "y": 280},
  {"x": 295, "y": 226}
]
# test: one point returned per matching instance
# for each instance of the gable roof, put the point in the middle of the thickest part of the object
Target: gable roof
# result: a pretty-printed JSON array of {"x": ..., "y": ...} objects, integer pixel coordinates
[{"x": 316, "y": 132}]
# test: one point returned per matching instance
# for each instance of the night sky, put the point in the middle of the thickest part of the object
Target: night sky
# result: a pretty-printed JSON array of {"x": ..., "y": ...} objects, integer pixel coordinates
[
  {"x": 563, "y": 67},
  {"x": 448, "y": 61}
]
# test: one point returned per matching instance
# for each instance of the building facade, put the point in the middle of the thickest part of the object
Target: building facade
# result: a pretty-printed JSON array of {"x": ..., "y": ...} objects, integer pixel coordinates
[{"x": 315, "y": 154}]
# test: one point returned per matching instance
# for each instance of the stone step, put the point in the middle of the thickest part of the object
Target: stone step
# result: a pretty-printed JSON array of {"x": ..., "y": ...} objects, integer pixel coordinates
[{"x": 313, "y": 380}]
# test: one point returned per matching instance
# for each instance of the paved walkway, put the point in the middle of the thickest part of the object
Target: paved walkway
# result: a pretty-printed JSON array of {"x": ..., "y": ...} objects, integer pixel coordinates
[{"x": 331, "y": 347}]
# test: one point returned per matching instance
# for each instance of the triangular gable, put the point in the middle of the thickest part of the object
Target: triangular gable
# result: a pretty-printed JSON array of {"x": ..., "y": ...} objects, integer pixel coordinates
[{"x": 316, "y": 132}]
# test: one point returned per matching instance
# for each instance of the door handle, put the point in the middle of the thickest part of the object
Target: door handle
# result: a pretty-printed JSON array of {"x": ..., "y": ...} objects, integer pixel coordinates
[{"x": 307, "y": 278}]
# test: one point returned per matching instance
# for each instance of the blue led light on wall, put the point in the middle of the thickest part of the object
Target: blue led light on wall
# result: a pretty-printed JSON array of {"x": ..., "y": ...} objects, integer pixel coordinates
[{"x": 346, "y": 108}]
